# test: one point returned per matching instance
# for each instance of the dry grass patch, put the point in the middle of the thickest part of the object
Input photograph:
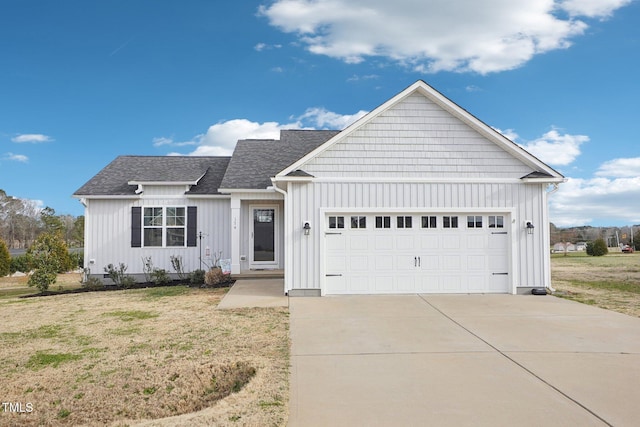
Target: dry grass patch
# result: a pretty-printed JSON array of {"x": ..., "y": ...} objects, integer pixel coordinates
[
  {"x": 159, "y": 356},
  {"x": 611, "y": 282}
]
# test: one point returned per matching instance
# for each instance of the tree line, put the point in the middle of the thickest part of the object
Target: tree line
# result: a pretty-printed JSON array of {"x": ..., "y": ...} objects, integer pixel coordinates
[
  {"x": 22, "y": 222},
  {"x": 612, "y": 236}
]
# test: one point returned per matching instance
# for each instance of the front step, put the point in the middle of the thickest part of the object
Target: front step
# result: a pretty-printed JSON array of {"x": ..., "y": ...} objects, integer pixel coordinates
[{"x": 260, "y": 274}]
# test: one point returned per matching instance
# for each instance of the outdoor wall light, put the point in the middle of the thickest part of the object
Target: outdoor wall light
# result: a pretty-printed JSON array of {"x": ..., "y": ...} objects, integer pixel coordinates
[
  {"x": 307, "y": 228},
  {"x": 529, "y": 227}
]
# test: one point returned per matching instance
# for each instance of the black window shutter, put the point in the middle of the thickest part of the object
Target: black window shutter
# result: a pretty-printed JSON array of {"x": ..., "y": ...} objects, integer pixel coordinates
[
  {"x": 192, "y": 225},
  {"x": 136, "y": 227}
]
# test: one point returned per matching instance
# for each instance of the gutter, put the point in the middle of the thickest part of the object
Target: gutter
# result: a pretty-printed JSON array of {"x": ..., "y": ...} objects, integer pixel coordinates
[{"x": 286, "y": 254}]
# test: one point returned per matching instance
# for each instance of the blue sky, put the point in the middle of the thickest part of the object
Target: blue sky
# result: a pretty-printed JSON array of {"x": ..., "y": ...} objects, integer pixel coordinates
[{"x": 83, "y": 82}]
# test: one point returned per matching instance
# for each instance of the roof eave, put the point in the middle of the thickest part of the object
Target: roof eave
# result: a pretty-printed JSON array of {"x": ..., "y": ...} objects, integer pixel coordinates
[
  {"x": 549, "y": 180},
  {"x": 171, "y": 183}
]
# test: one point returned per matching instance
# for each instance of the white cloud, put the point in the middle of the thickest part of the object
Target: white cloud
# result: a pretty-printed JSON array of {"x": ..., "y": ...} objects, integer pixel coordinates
[
  {"x": 161, "y": 141},
  {"x": 483, "y": 36},
  {"x": 620, "y": 168},
  {"x": 220, "y": 139},
  {"x": 263, "y": 46},
  {"x": 34, "y": 138},
  {"x": 592, "y": 8},
  {"x": 605, "y": 201},
  {"x": 554, "y": 148},
  {"x": 17, "y": 157},
  {"x": 323, "y": 119}
]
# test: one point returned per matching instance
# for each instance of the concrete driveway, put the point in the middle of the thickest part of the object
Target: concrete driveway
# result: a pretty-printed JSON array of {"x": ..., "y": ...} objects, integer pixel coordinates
[{"x": 455, "y": 360}]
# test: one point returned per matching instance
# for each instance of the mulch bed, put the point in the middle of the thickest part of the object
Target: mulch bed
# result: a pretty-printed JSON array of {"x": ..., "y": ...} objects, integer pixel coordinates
[{"x": 142, "y": 285}]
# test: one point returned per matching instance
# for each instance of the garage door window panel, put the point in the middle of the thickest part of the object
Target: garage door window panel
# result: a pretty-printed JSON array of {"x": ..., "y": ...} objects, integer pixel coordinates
[
  {"x": 383, "y": 222},
  {"x": 450, "y": 222},
  {"x": 429, "y": 222},
  {"x": 336, "y": 222},
  {"x": 474, "y": 221},
  {"x": 496, "y": 221},
  {"x": 404, "y": 222},
  {"x": 358, "y": 222}
]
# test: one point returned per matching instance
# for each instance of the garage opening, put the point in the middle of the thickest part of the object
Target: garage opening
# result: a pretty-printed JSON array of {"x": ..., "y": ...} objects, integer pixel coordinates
[{"x": 417, "y": 253}]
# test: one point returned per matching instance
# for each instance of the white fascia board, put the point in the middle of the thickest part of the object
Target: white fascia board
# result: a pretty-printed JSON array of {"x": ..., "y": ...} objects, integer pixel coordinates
[
  {"x": 292, "y": 179},
  {"x": 421, "y": 180},
  {"x": 550, "y": 180},
  {"x": 164, "y": 183},
  {"x": 207, "y": 196},
  {"x": 246, "y": 190},
  {"x": 449, "y": 106},
  {"x": 106, "y": 197}
]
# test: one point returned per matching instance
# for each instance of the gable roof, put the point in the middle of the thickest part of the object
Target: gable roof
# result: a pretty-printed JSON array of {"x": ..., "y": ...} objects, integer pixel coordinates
[
  {"x": 255, "y": 161},
  {"x": 544, "y": 173},
  {"x": 121, "y": 176}
]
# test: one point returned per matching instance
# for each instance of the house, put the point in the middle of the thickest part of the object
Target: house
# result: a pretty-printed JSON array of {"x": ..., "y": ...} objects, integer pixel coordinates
[
  {"x": 418, "y": 196},
  {"x": 566, "y": 247}
]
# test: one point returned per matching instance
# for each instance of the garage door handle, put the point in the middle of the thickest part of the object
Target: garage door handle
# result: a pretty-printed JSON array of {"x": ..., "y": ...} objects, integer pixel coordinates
[
  {"x": 415, "y": 261},
  {"x": 333, "y": 275},
  {"x": 332, "y": 234},
  {"x": 500, "y": 274},
  {"x": 499, "y": 232}
]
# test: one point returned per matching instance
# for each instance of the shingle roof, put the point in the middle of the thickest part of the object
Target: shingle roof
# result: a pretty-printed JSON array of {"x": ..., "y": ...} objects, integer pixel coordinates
[
  {"x": 114, "y": 178},
  {"x": 254, "y": 162}
]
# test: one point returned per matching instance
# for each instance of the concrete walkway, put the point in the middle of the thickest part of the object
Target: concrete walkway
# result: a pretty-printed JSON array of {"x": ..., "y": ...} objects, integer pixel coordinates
[
  {"x": 462, "y": 360},
  {"x": 255, "y": 293}
]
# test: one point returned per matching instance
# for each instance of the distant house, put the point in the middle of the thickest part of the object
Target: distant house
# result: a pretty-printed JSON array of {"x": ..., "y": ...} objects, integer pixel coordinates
[
  {"x": 418, "y": 196},
  {"x": 566, "y": 247}
]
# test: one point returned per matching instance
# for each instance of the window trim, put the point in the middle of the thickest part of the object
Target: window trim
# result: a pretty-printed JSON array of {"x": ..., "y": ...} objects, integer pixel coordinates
[{"x": 164, "y": 227}]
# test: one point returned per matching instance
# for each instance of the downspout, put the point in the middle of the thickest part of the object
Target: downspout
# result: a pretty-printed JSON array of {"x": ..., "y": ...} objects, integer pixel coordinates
[
  {"x": 548, "y": 193},
  {"x": 286, "y": 224}
]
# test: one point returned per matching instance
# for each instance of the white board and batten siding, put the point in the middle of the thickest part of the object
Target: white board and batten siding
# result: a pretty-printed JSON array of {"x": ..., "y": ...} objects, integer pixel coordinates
[
  {"x": 308, "y": 262},
  {"x": 416, "y": 158},
  {"x": 108, "y": 233}
]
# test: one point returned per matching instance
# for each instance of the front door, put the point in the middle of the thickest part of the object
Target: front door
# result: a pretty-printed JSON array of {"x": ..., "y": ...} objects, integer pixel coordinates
[{"x": 264, "y": 242}]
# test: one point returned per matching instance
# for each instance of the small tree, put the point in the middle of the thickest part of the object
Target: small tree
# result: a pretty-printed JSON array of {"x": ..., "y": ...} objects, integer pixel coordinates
[
  {"x": 597, "y": 248},
  {"x": 53, "y": 243},
  {"x": 45, "y": 264},
  {"x": 5, "y": 259}
]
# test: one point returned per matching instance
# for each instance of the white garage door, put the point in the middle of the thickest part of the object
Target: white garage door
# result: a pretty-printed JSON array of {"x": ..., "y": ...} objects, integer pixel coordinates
[{"x": 410, "y": 253}]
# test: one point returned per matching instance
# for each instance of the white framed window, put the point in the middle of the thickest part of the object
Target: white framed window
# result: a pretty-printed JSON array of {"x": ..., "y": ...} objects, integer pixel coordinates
[
  {"x": 383, "y": 222},
  {"x": 429, "y": 222},
  {"x": 358, "y": 222},
  {"x": 164, "y": 226},
  {"x": 450, "y": 222},
  {"x": 474, "y": 221},
  {"x": 496, "y": 221},
  {"x": 404, "y": 222},
  {"x": 336, "y": 222}
]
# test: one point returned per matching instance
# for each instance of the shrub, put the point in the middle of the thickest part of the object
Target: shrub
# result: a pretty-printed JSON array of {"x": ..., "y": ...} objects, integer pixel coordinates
[
  {"x": 196, "y": 278},
  {"x": 5, "y": 259},
  {"x": 178, "y": 266},
  {"x": 93, "y": 283},
  {"x": 118, "y": 276},
  {"x": 20, "y": 263},
  {"x": 160, "y": 276},
  {"x": 214, "y": 277},
  {"x": 597, "y": 248},
  {"x": 147, "y": 268}
]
